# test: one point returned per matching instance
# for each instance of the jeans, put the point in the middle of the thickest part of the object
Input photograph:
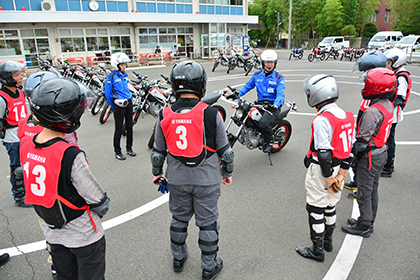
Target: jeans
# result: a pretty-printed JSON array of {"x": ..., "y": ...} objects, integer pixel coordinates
[{"x": 13, "y": 152}]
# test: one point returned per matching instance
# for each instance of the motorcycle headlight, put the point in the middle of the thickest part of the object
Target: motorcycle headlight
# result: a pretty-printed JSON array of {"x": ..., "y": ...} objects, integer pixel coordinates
[
  {"x": 172, "y": 99},
  {"x": 239, "y": 114}
]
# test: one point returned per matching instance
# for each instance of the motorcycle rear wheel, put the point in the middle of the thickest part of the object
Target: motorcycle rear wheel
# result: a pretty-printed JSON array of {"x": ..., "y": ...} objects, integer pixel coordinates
[
  {"x": 282, "y": 132},
  {"x": 221, "y": 110},
  {"x": 97, "y": 104},
  {"x": 322, "y": 58},
  {"x": 216, "y": 63},
  {"x": 249, "y": 69},
  {"x": 106, "y": 112},
  {"x": 300, "y": 55},
  {"x": 311, "y": 57},
  {"x": 290, "y": 56}
]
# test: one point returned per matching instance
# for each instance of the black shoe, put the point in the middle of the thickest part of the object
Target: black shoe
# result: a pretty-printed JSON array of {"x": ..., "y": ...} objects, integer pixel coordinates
[
  {"x": 358, "y": 229},
  {"x": 4, "y": 259},
  {"x": 315, "y": 254},
  {"x": 179, "y": 264},
  {"x": 352, "y": 221},
  {"x": 20, "y": 202},
  {"x": 350, "y": 186},
  {"x": 386, "y": 173},
  {"x": 131, "y": 153},
  {"x": 120, "y": 156},
  {"x": 352, "y": 195},
  {"x": 210, "y": 275}
]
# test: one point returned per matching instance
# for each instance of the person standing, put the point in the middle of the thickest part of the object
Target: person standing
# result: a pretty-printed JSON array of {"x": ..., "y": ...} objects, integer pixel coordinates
[
  {"x": 119, "y": 97},
  {"x": 191, "y": 135},
  {"x": 60, "y": 186},
  {"x": 397, "y": 58},
  {"x": 328, "y": 161},
  {"x": 370, "y": 149},
  {"x": 270, "y": 89},
  {"x": 12, "y": 109}
]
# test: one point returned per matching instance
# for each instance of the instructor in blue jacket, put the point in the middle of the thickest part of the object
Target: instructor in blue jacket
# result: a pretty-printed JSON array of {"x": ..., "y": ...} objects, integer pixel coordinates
[
  {"x": 119, "y": 97},
  {"x": 270, "y": 90}
]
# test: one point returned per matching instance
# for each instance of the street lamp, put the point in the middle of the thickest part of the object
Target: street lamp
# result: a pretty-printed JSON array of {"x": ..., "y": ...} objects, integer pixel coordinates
[
  {"x": 290, "y": 24},
  {"x": 278, "y": 24}
]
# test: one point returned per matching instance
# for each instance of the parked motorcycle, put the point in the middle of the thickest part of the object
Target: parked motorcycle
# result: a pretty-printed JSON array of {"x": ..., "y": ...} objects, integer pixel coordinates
[
  {"x": 317, "y": 53},
  {"x": 242, "y": 61},
  {"x": 357, "y": 53},
  {"x": 332, "y": 52},
  {"x": 347, "y": 53},
  {"x": 224, "y": 60},
  {"x": 254, "y": 62},
  {"x": 298, "y": 52}
]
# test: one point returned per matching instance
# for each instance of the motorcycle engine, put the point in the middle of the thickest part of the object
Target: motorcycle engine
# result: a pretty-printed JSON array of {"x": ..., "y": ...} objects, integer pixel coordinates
[
  {"x": 250, "y": 137},
  {"x": 154, "y": 108}
]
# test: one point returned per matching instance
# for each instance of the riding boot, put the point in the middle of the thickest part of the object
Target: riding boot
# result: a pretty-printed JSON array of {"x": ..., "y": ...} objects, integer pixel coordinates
[
  {"x": 315, "y": 252},
  {"x": 329, "y": 229}
]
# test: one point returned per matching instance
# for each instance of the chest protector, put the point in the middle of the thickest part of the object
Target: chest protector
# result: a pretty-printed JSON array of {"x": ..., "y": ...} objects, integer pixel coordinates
[
  {"x": 381, "y": 137},
  {"x": 184, "y": 134},
  {"x": 16, "y": 108},
  {"x": 343, "y": 130},
  {"x": 364, "y": 105},
  {"x": 28, "y": 127},
  {"x": 42, "y": 167}
]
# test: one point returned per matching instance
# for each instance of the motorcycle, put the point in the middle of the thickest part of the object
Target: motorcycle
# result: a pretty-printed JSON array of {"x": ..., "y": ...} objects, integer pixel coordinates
[
  {"x": 254, "y": 62},
  {"x": 357, "y": 53},
  {"x": 332, "y": 52},
  {"x": 242, "y": 62},
  {"x": 224, "y": 60},
  {"x": 317, "y": 53},
  {"x": 347, "y": 53},
  {"x": 297, "y": 52}
]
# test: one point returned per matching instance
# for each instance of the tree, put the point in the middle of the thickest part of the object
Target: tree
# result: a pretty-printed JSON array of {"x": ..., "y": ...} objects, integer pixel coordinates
[
  {"x": 348, "y": 31},
  {"x": 370, "y": 29},
  {"x": 330, "y": 20},
  {"x": 365, "y": 9},
  {"x": 304, "y": 13},
  {"x": 407, "y": 16}
]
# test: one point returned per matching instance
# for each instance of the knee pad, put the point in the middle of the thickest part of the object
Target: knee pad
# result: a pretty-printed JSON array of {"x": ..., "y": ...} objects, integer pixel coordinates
[
  {"x": 330, "y": 215},
  {"x": 209, "y": 239},
  {"x": 178, "y": 231},
  {"x": 17, "y": 178},
  {"x": 316, "y": 220}
]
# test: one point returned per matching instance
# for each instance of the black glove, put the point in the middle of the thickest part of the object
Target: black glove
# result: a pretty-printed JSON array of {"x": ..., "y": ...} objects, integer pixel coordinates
[
  {"x": 231, "y": 95},
  {"x": 399, "y": 102}
]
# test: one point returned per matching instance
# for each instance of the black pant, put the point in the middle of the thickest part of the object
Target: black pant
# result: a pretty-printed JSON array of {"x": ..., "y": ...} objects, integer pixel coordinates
[
  {"x": 266, "y": 123},
  {"x": 389, "y": 165},
  {"x": 123, "y": 115},
  {"x": 84, "y": 263}
]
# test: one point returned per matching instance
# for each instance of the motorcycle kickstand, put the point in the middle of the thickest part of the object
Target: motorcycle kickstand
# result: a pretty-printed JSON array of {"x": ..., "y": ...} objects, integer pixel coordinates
[{"x": 269, "y": 157}]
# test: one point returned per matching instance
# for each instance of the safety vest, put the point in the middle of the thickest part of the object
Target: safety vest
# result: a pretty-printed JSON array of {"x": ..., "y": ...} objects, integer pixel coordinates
[
  {"x": 343, "y": 130},
  {"x": 364, "y": 105},
  {"x": 406, "y": 76},
  {"x": 42, "y": 167},
  {"x": 16, "y": 108},
  {"x": 28, "y": 127},
  {"x": 381, "y": 137},
  {"x": 184, "y": 134}
]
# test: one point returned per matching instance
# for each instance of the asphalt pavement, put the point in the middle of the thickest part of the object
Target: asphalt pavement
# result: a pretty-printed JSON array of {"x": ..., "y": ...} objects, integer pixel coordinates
[{"x": 262, "y": 214}]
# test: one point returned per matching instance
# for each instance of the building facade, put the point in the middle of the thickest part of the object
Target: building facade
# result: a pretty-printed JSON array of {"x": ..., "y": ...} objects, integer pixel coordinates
[{"x": 87, "y": 28}]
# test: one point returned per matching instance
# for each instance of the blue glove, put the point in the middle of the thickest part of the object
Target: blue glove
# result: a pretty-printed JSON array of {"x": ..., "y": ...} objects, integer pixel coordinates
[{"x": 163, "y": 188}]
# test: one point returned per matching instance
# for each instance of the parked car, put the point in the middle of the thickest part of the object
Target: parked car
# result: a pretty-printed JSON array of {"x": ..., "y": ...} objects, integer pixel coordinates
[
  {"x": 409, "y": 43},
  {"x": 385, "y": 39},
  {"x": 336, "y": 42}
]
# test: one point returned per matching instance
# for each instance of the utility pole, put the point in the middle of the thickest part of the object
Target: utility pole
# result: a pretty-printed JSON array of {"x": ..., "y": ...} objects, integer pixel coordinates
[
  {"x": 278, "y": 23},
  {"x": 290, "y": 24}
]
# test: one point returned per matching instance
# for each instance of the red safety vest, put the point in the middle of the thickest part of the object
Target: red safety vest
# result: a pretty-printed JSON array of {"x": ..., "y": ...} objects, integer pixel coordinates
[
  {"x": 382, "y": 136},
  {"x": 184, "y": 133},
  {"x": 406, "y": 75},
  {"x": 16, "y": 108},
  {"x": 42, "y": 169},
  {"x": 343, "y": 130},
  {"x": 25, "y": 129}
]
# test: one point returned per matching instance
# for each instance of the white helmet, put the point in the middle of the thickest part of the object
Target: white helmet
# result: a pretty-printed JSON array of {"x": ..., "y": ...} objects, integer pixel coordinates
[
  {"x": 118, "y": 58},
  {"x": 397, "y": 56},
  {"x": 320, "y": 89},
  {"x": 269, "y": 55}
]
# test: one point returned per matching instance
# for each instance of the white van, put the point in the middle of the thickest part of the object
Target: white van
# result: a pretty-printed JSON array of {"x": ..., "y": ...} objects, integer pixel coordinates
[
  {"x": 385, "y": 39},
  {"x": 336, "y": 42},
  {"x": 409, "y": 43}
]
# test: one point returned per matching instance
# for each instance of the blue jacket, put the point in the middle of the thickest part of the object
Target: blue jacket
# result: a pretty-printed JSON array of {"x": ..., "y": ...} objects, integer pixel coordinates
[
  {"x": 269, "y": 88},
  {"x": 116, "y": 87}
]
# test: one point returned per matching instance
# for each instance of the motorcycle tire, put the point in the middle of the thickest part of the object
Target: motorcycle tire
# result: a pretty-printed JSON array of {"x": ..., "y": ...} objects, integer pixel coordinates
[
  {"x": 336, "y": 56},
  {"x": 351, "y": 57},
  {"x": 300, "y": 55},
  {"x": 106, "y": 112},
  {"x": 322, "y": 58},
  {"x": 249, "y": 69},
  {"x": 290, "y": 56},
  {"x": 151, "y": 140},
  {"x": 342, "y": 56},
  {"x": 221, "y": 110},
  {"x": 97, "y": 104},
  {"x": 282, "y": 132},
  {"x": 311, "y": 57},
  {"x": 216, "y": 63},
  {"x": 258, "y": 65}
]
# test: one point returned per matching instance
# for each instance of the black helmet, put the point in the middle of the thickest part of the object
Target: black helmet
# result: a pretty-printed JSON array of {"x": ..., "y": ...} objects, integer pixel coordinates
[
  {"x": 35, "y": 79},
  {"x": 6, "y": 71},
  {"x": 58, "y": 104},
  {"x": 188, "y": 77}
]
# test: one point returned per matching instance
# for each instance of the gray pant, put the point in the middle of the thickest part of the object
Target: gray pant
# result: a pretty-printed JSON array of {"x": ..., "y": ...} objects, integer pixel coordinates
[
  {"x": 368, "y": 174},
  {"x": 201, "y": 201}
]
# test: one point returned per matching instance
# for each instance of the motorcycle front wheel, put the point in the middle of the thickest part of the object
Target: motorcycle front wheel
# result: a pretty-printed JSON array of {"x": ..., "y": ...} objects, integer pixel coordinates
[
  {"x": 311, "y": 57},
  {"x": 250, "y": 66},
  {"x": 290, "y": 56},
  {"x": 106, "y": 112},
  {"x": 300, "y": 55},
  {"x": 282, "y": 133},
  {"x": 216, "y": 63},
  {"x": 322, "y": 58},
  {"x": 97, "y": 104}
]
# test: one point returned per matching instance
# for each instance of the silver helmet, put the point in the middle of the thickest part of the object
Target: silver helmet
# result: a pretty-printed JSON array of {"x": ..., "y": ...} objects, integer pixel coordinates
[
  {"x": 320, "y": 89},
  {"x": 397, "y": 56}
]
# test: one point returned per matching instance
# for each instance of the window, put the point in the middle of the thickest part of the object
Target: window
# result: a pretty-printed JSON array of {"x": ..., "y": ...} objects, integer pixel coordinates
[
  {"x": 387, "y": 14},
  {"x": 9, "y": 43},
  {"x": 165, "y": 37},
  {"x": 374, "y": 17}
]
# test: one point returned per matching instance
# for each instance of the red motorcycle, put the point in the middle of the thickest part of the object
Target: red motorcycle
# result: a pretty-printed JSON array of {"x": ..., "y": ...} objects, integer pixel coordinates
[
  {"x": 347, "y": 53},
  {"x": 317, "y": 53}
]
